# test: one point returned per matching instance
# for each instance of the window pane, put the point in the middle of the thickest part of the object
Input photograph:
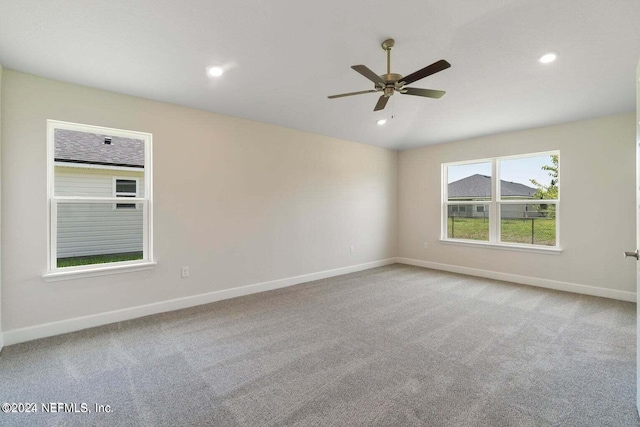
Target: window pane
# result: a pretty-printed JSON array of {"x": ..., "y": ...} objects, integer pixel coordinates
[
  {"x": 469, "y": 222},
  {"x": 469, "y": 181},
  {"x": 86, "y": 163},
  {"x": 529, "y": 178},
  {"x": 126, "y": 206},
  {"x": 533, "y": 224},
  {"x": 95, "y": 233},
  {"x": 126, "y": 186}
]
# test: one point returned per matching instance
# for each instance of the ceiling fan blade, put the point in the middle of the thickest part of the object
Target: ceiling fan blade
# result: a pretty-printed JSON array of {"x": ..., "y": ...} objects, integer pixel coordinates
[
  {"x": 436, "y": 67},
  {"x": 351, "y": 94},
  {"x": 365, "y": 71},
  {"x": 429, "y": 93},
  {"x": 382, "y": 102}
]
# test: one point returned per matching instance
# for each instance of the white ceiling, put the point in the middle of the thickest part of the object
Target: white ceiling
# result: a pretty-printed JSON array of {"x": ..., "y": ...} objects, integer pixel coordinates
[{"x": 284, "y": 57}]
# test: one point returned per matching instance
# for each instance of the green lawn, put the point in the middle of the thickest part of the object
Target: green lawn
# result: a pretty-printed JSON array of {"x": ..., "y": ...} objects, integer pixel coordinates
[
  {"x": 98, "y": 259},
  {"x": 512, "y": 230},
  {"x": 468, "y": 228}
]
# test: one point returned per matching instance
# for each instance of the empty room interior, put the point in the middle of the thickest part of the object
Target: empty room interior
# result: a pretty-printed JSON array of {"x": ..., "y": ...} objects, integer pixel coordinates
[{"x": 337, "y": 213}]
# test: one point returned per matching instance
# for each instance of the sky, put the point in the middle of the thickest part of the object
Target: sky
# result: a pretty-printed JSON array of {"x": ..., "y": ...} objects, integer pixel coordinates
[{"x": 519, "y": 170}]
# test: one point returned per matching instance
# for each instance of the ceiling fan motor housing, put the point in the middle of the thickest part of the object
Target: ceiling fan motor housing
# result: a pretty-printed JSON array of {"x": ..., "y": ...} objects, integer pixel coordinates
[{"x": 391, "y": 78}]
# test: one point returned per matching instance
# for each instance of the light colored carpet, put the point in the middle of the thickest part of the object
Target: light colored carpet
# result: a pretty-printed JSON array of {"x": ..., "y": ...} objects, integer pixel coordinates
[{"x": 391, "y": 346}]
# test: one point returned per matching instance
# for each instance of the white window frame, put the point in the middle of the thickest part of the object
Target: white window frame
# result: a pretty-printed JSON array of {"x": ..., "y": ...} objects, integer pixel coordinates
[
  {"x": 123, "y": 194},
  {"x": 147, "y": 262},
  {"x": 494, "y": 205}
]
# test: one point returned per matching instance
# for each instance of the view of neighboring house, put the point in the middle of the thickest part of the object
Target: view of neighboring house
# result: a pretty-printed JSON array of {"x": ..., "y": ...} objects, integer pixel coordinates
[
  {"x": 477, "y": 188},
  {"x": 88, "y": 164}
]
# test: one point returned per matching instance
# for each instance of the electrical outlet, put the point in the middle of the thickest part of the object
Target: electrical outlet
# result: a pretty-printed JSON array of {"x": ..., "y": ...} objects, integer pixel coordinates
[
  {"x": 352, "y": 248},
  {"x": 185, "y": 272},
  {"x": 425, "y": 246}
]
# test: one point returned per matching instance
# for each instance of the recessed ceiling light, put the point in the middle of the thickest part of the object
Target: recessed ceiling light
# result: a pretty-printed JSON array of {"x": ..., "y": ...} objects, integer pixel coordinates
[
  {"x": 215, "y": 71},
  {"x": 548, "y": 58},
  {"x": 381, "y": 122}
]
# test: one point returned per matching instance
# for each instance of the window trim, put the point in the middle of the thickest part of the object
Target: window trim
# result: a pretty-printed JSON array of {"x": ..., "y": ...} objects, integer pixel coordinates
[
  {"x": 494, "y": 204},
  {"x": 53, "y": 273}
]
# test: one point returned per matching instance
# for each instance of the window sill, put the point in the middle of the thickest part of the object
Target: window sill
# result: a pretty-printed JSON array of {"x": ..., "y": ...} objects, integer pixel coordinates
[
  {"x": 93, "y": 271},
  {"x": 505, "y": 246}
]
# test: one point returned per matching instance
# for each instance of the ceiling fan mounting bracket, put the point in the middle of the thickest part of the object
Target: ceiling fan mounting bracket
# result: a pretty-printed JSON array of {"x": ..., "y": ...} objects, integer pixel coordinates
[{"x": 388, "y": 44}]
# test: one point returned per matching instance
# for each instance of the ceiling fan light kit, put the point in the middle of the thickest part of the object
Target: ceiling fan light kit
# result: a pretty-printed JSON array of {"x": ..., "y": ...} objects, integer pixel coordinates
[{"x": 390, "y": 83}]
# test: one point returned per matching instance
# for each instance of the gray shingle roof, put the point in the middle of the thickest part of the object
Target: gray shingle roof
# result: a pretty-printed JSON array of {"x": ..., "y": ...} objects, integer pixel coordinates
[
  {"x": 479, "y": 186},
  {"x": 83, "y": 147}
]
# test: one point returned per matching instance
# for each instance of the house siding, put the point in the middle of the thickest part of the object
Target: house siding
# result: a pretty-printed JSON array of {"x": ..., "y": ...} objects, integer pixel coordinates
[{"x": 94, "y": 229}]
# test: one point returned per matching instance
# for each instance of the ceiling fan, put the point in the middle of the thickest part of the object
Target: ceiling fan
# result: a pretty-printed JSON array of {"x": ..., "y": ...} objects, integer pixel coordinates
[{"x": 390, "y": 83}]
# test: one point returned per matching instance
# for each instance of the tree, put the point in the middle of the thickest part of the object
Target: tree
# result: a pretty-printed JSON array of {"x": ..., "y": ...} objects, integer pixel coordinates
[{"x": 548, "y": 192}]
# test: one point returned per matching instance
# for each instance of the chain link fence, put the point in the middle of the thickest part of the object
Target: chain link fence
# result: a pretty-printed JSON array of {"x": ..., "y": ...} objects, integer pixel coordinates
[{"x": 533, "y": 224}]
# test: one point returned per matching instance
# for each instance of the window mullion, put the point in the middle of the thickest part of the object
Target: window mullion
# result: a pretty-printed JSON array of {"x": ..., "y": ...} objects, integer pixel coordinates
[
  {"x": 494, "y": 222},
  {"x": 528, "y": 201},
  {"x": 74, "y": 199}
]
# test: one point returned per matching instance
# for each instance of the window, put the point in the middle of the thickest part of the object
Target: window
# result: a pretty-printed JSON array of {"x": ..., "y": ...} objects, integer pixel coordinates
[
  {"x": 125, "y": 188},
  {"x": 90, "y": 169},
  {"x": 510, "y": 201}
]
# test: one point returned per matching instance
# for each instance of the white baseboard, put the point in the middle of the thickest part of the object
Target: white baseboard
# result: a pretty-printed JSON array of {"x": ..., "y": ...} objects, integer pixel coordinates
[
  {"x": 525, "y": 280},
  {"x": 29, "y": 333}
]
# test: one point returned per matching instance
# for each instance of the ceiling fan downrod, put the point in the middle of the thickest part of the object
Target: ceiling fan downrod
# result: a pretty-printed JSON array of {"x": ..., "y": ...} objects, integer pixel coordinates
[
  {"x": 390, "y": 79},
  {"x": 387, "y": 45}
]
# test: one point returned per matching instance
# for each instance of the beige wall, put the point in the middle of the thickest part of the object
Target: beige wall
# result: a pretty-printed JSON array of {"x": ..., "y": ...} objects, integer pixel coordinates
[
  {"x": 239, "y": 202},
  {"x": 597, "y": 223}
]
